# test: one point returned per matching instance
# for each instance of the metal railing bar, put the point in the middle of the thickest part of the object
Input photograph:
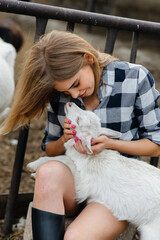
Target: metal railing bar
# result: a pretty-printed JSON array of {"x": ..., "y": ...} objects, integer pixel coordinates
[
  {"x": 15, "y": 181},
  {"x": 77, "y": 16},
  {"x": 70, "y": 26},
  {"x": 110, "y": 41},
  {"x": 91, "y": 5},
  {"x": 91, "y": 8},
  {"x": 41, "y": 24},
  {"x": 134, "y": 47}
]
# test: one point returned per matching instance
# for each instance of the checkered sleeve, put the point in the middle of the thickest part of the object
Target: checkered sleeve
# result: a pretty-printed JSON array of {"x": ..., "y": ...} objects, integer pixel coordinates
[
  {"x": 146, "y": 107},
  {"x": 53, "y": 129}
]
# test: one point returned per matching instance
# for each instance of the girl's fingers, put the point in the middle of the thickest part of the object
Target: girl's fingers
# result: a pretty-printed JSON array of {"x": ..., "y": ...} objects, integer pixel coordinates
[
  {"x": 79, "y": 146},
  {"x": 68, "y": 121},
  {"x": 68, "y": 125},
  {"x": 69, "y": 131}
]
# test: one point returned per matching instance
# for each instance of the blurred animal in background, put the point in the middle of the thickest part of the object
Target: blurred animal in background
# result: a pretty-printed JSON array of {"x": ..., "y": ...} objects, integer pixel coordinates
[{"x": 11, "y": 40}]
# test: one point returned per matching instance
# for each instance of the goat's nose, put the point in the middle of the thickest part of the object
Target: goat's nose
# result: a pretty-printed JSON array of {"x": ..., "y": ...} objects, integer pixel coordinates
[{"x": 70, "y": 104}]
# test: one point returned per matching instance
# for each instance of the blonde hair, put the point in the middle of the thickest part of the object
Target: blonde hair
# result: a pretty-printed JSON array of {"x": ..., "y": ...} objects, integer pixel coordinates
[{"x": 58, "y": 55}]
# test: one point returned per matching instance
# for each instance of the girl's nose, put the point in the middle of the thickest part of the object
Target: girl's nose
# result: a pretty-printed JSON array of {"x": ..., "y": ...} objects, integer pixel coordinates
[{"x": 74, "y": 93}]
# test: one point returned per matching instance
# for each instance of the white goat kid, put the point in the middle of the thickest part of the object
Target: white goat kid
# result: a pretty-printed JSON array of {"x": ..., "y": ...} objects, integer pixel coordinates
[{"x": 128, "y": 187}]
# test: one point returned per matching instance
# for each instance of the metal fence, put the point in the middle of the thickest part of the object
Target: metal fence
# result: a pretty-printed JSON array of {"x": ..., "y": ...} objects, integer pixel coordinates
[{"x": 42, "y": 13}]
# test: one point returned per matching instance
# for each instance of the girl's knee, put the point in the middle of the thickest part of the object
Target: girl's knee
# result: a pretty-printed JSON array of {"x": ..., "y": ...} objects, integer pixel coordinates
[
  {"x": 50, "y": 177},
  {"x": 50, "y": 169}
]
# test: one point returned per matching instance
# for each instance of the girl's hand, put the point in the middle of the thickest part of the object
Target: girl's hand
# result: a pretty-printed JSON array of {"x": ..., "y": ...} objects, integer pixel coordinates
[
  {"x": 79, "y": 147},
  {"x": 69, "y": 130},
  {"x": 98, "y": 144},
  {"x": 101, "y": 143}
]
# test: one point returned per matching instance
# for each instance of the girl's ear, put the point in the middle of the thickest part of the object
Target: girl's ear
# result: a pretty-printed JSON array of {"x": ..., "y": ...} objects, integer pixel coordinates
[{"x": 88, "y": 59}]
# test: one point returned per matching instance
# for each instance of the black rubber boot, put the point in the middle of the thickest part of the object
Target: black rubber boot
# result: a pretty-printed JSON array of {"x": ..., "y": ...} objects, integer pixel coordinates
[{"x": 47, "y": 225}]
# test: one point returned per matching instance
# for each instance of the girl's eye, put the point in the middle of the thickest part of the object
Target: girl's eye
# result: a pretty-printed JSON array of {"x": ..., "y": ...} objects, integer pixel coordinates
[{"x": 76, "y": 85}]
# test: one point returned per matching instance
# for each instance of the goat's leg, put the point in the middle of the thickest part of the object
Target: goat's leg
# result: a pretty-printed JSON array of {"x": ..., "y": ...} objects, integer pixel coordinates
[{"x": 33, "y": 166}]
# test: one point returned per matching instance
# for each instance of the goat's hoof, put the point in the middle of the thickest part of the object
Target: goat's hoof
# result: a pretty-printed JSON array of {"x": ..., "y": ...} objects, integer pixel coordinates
[{"x": 31, "y": 167}]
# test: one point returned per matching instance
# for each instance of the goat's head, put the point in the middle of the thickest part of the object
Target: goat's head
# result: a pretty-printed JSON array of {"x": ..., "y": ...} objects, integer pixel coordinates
[
  {"x": 88, "y": 126},
  {"x": 11, "y": 33}
]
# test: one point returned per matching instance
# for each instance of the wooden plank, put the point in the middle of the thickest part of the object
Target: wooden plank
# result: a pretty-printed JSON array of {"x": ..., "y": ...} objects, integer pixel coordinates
[{"x": 21, "y": 205}]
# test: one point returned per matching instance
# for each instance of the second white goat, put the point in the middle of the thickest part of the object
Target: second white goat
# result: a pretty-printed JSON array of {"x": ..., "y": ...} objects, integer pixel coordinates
[
  {"x": 11, "y": 40},
  {"x": 128, "y": 187}
]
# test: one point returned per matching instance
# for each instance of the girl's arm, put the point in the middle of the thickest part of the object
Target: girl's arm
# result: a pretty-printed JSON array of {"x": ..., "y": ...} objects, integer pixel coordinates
[
  {"x": 55, "y": 148},
  {"x": 141, "y": 147}
]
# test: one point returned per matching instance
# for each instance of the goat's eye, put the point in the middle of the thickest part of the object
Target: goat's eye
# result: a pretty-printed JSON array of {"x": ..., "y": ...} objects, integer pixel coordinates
[{"x": 77, "y": 120}]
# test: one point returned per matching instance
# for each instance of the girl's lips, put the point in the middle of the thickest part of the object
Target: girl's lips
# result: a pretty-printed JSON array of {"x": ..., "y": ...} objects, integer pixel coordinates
[{"x": 83, "y": 95}]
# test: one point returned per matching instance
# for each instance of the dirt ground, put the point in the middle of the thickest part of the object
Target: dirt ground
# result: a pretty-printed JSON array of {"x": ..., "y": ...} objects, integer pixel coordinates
[{"x": 148, "y": 55}]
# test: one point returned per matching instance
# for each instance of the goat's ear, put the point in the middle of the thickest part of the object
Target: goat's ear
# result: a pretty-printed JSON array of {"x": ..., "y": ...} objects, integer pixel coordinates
[
  {"x": 110, "y": 133},
  {"x": 83, "y": 121},
  {"x": 69, "y": 143},
  {"x": 86, "y": 142}
]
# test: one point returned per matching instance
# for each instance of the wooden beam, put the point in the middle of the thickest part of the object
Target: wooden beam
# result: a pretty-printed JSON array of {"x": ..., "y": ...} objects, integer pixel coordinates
[{"x": 21, "y": 205}]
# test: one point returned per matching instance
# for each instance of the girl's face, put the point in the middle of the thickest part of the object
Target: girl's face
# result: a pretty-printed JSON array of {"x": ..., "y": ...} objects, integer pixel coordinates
[{"x": 82, "y": 84}]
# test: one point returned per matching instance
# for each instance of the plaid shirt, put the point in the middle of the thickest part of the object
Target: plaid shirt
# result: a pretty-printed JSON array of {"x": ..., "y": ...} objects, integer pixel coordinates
[{"x": 128, "y": 104}]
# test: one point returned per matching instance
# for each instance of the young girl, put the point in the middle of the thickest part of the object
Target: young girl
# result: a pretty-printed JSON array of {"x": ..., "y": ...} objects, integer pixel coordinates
[{"x": 63, "y": 67}]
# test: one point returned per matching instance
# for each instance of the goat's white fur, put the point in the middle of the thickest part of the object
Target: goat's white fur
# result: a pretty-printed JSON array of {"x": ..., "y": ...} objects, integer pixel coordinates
[
  {"x": 7, "y": 85},
  {"x": 128, "y": 187}
]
